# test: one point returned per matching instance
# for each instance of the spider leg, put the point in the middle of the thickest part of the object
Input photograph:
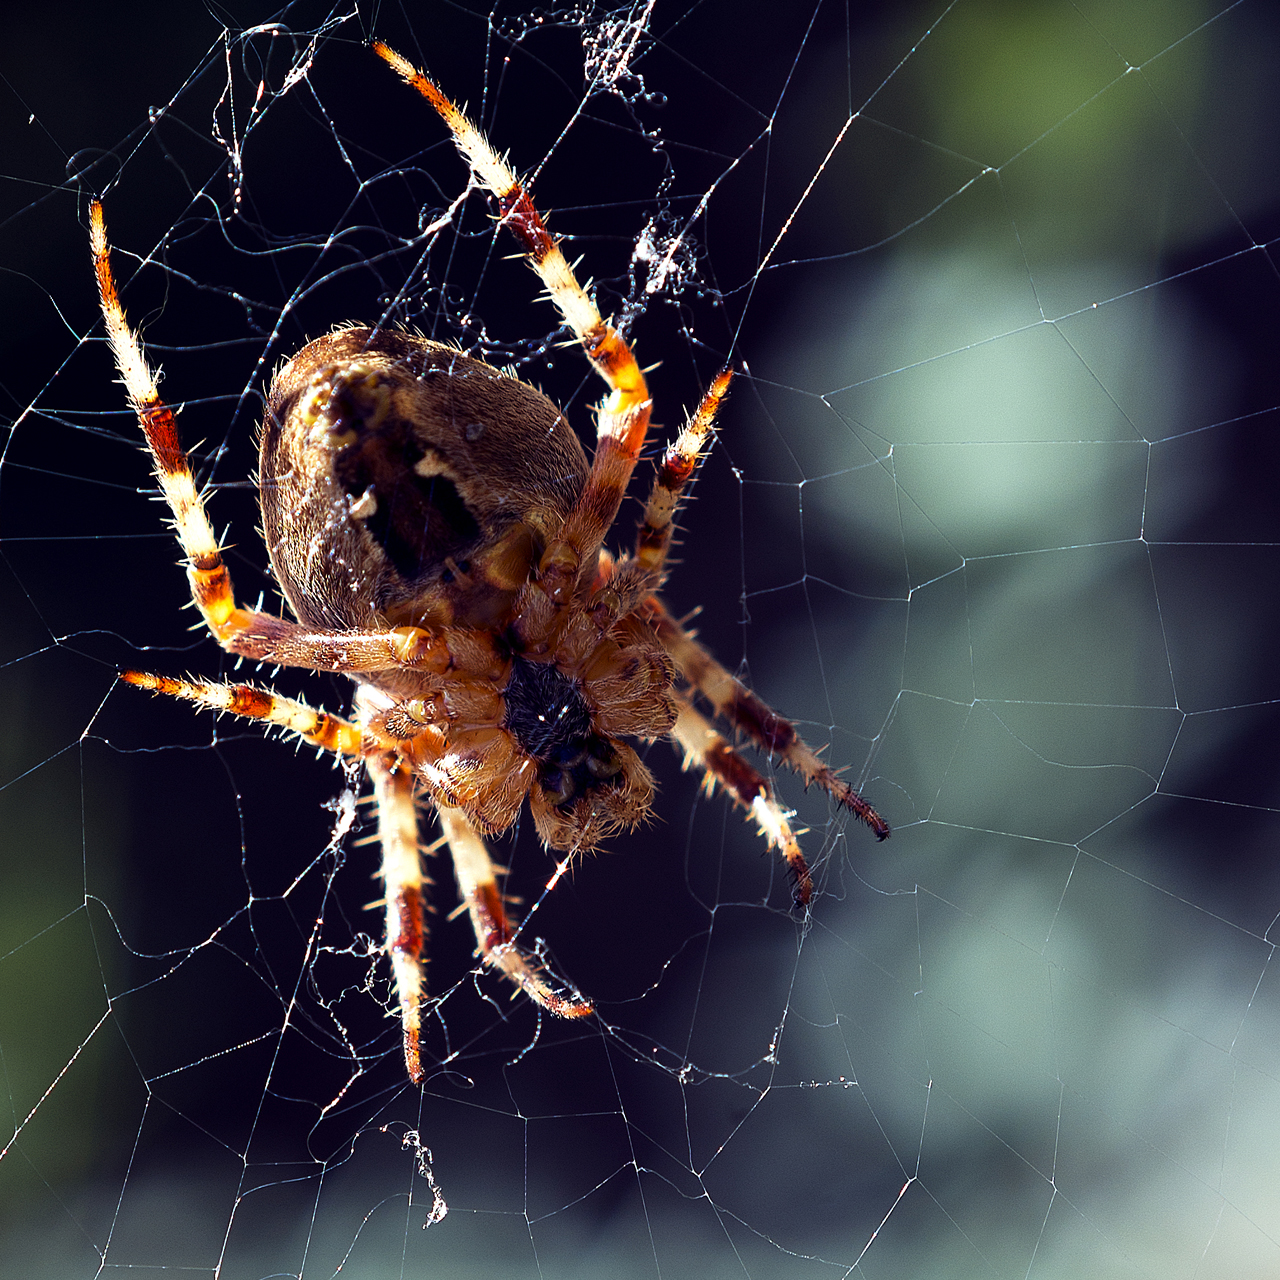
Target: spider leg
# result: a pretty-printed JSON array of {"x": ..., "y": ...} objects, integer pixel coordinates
[
  {"x": 678, "y": 464},
  {"x": 397, "y": 822},
  {"x": 401, "y": 858},
  {"x": 495, "y": 937},
  {"x": 769, "y": 731},
  {"x": 708, "y": 750},
  {"x": 250, "y": 633},
  {"x": 618, "y": 587},
  {"x": 623, "y": 417},
  {"x": 331, "y": 733},
  {"x": 405, "y": 897}
]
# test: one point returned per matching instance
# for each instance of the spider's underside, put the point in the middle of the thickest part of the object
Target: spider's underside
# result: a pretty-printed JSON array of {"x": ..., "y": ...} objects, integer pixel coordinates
[{"x": 438, "y": 534}]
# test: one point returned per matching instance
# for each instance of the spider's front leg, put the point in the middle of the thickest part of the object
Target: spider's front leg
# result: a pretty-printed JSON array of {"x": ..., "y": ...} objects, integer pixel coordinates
[
  {"x": 402, "y": 776},
  {"x": 753, "y": 717},
  {"x": 397, "y": 819},
  {"x": 405, "y": 900},
  {"x": 732, "y": 700},
  {"x": 406, "y": 883},
  {"x": 708, "y": 750},
  {"x": 496, "y": 943}
]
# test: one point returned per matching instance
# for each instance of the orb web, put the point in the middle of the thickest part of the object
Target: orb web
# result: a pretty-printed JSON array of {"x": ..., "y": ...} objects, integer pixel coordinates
[{"x": 989, "y": 515}]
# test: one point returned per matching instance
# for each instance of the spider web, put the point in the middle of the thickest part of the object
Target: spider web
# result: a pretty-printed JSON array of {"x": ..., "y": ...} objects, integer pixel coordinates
[{"x": 991, "y": 512}]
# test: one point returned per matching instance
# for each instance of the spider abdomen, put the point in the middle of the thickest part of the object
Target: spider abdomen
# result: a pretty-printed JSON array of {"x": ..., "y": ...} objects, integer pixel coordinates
[{"x": 404, "y": 483}]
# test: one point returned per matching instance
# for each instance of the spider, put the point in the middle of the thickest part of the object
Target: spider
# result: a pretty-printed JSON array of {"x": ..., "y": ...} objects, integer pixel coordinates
[{"x": 437, "y": 532}]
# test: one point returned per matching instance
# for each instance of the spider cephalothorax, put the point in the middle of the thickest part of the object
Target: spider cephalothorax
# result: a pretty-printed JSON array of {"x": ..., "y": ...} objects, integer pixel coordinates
[{"x": 439, "y": 535}]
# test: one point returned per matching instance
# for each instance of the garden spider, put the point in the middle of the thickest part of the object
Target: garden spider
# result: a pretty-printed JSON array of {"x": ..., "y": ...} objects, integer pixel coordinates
[{"x": 438, "y": 534}]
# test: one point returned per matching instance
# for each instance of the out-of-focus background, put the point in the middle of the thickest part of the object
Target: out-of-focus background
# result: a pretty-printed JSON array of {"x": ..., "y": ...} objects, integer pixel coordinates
[{"x": 990, "y": 513}]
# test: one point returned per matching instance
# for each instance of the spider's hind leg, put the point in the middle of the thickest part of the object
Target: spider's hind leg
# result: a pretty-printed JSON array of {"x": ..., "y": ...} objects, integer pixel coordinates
[
  {"x": 623, "y": 416},
  {"x": 247, "y": 632}
]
